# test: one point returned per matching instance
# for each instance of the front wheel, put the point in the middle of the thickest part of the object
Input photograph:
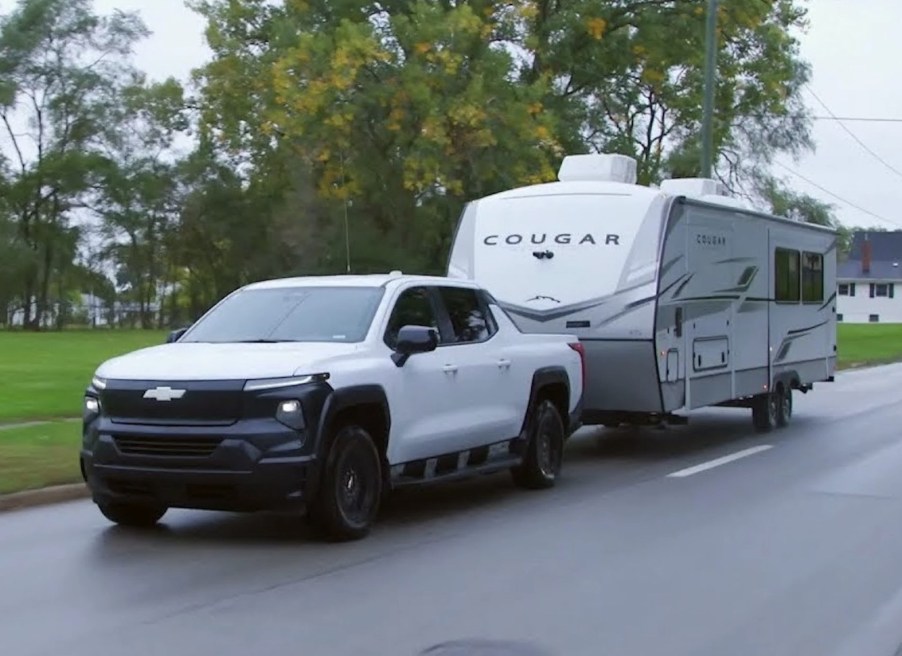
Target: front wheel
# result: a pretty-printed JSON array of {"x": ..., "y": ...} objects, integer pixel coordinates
[
  {"x": 544, "y": 450},
  {"x": 351, "y": 490},
  {"x": 132, "y": 514}
]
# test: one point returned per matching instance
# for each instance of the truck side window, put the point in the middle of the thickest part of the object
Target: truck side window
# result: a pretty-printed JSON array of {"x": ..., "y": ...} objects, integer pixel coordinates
[
  {"x": 468, "y": 318},
  {"x": 413, "y": 308}
]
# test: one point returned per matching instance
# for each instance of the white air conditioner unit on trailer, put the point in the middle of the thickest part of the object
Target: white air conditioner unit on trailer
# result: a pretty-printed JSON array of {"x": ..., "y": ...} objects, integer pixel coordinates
[{"x": 598, "y": 168}]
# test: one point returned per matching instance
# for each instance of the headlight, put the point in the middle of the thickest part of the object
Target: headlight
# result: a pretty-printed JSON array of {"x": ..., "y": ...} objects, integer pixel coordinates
[
  {"x": 98, "y": 383},
  {"x": 291, "y": 413},
  {"x": 91, "y": 406},
  {"x": 275, "y": 383}
]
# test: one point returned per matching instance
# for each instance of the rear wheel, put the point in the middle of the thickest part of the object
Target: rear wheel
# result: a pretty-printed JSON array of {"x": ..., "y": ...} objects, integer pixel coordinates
[
  {"x": 132, "y": 514},
  {"x": 785, "y": 410},
  {"x": 351, "y": 489},
  {"x": 544, "y": 450},
  {"x": 765, "y": 411}
]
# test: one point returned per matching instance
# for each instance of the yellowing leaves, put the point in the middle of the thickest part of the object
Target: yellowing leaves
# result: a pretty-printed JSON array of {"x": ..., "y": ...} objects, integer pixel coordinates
[
  {"x": 467, "y": 115},
  {"x": 652, "y": 76},
  {"x": 596, "y": 27},
  {"x": 422, "y": 48},
  {"x": 528, "y": 10}
]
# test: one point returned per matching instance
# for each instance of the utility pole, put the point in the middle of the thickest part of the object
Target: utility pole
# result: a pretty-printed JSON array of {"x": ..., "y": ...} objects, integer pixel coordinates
[{"x": 708, "y": 109}]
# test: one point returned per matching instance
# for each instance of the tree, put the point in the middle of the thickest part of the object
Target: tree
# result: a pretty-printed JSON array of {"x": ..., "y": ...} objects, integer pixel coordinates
[
  {"x": 630, "y": 76},
  {"x": 60, "y": 68},
  {"x": 401, "y": 110},
  {"x": 137, "y": 197}
]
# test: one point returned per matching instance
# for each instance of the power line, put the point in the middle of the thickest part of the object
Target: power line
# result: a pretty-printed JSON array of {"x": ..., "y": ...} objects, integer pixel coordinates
[
  {"x": 837, "y": 197},
  {"x": 860, "y": 119},
  {"x": 852, "y": 134}
]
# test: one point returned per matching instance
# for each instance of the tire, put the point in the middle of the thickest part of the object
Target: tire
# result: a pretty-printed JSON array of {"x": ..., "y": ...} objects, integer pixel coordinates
[
  {"x": 132, "y": 514},
  {"x": 785, "y": 411},
  {"x": 544, "y": 449},
  {"x": 765, "y": 412},
  {"x": 350, "y": 492}
]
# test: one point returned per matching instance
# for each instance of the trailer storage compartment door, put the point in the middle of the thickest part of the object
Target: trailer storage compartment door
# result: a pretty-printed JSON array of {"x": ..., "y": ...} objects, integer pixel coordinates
[{"x": 710, "y": 353}]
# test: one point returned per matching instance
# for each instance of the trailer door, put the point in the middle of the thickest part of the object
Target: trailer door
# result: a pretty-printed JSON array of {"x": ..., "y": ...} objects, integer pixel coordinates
[{"x": 709, "y": 307}]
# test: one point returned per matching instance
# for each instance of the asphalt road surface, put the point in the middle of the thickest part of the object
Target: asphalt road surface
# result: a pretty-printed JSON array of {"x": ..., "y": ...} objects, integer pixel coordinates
[{"x": 705, "y": 539}]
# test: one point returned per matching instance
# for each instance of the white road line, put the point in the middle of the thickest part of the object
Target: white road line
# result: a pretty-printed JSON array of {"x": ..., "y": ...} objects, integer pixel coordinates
[{"x": 711, "y": 464}]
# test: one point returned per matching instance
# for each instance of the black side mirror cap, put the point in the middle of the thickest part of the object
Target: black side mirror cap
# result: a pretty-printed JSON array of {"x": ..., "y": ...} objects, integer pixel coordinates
[
  {"x": 176, "y": 335},
  {"x": 413, "y": 340}
]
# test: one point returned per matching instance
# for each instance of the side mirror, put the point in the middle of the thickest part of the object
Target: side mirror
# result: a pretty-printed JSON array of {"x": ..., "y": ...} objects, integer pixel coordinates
[
  {"x": 413, "y": 340},
  {"x": 176, "y": 335}
]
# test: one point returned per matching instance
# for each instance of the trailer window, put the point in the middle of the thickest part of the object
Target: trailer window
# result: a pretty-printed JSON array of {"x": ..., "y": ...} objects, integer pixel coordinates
[
  {"x": 812, "y": 277},
  {"x": 786, "y": 276}
]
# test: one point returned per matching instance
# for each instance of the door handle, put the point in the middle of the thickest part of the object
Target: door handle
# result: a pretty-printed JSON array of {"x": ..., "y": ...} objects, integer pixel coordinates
[
  {"x": 504, "y": 363},
  {"x": 450, "y": 368}
]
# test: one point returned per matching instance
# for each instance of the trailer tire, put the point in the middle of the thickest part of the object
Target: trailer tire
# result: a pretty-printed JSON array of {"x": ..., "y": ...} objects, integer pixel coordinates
[
  {"x": 765, "y": 411},
  {"x": 784, "y": 413}
]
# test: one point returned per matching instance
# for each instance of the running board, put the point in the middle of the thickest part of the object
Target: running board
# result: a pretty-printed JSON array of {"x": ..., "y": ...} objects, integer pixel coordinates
[{"x": 455, "y": 467}]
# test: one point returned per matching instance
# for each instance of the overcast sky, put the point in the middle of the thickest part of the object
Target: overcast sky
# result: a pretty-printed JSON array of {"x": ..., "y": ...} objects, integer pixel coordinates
[{"x": 852, "y": 45}]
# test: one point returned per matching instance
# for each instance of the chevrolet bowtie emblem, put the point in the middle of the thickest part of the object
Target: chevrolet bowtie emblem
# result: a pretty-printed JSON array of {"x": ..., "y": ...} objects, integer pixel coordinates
[{"x": 164, "y": 394}]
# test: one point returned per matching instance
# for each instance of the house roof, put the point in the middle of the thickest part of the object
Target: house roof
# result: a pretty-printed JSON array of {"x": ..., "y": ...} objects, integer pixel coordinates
[
  {"x": 851, "y": 270},
  {"x": 885, "y": 246},
  {"x": 886, "y": 256}
]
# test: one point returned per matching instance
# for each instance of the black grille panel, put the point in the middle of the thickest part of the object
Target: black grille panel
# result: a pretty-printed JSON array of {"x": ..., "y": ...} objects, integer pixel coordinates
[
  {"x": 181, "y": 447},
  {"x": 200, "y": 402}
]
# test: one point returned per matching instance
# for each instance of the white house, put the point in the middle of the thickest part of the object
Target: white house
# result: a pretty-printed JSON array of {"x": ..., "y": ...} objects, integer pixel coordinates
[{"x": 869, "y": 283}]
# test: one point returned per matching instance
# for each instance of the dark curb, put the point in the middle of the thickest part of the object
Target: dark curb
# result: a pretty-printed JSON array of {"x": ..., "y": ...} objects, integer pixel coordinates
[{"x": 43, "y": 497}]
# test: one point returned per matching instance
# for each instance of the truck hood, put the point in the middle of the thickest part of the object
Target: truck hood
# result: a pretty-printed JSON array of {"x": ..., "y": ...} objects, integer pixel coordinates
[{"x": 201, "y": 361}]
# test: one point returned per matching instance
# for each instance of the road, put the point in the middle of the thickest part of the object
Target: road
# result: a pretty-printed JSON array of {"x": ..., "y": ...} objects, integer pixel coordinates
[{"x": 794, "y": 549}]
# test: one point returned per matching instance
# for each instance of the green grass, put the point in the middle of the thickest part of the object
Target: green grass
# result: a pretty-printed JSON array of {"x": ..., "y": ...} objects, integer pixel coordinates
[
  {"x": 33, "y": 457},
  {"x": 868, "y": 343},
  {"x": 43, "y": 375}
]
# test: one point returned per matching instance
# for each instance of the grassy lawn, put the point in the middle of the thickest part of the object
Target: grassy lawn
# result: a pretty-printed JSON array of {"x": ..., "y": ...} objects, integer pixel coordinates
[
  {"x": 868, "y": 343},
  {"x": 33, "y": 457},
  {"x": 43, "y": 375}
]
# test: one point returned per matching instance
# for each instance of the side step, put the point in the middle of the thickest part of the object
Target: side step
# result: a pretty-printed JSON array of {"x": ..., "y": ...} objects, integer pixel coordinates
[{"x": 458, "y": 466}]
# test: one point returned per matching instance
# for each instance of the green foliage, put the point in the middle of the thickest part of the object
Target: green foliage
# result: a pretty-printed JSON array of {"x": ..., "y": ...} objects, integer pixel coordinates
[{"x": 61, "y": 66}]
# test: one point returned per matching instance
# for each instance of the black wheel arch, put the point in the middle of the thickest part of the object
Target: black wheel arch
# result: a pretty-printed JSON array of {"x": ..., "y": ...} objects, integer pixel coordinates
[
  {"x": 552, "y": 383},
  {"x": 787, "y": 379},
  {"x": 365, "y": 405}
]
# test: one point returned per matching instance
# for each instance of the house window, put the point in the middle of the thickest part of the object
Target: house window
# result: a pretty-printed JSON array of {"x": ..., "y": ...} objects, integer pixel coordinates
[
  {"x": 839, "y": 316},
  {"x": 812, "y": 277},
  {"x": 874, "y": 318},
  {"x": 882, "y": 290},
  {"x": 843, "y": 289},
  {"x": 786, "y": 276}
]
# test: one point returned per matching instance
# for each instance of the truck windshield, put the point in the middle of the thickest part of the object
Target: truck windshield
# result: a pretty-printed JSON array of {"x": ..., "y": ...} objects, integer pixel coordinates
[{"x": 290, "y": 314}]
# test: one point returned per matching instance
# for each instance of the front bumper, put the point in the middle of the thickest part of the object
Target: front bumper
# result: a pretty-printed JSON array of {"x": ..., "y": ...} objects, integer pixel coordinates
[{"x": 251, "y": 465}]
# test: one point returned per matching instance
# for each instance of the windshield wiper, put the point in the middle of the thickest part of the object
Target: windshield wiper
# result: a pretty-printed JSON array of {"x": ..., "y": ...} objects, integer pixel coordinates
[{"x": 264, "y": 341}]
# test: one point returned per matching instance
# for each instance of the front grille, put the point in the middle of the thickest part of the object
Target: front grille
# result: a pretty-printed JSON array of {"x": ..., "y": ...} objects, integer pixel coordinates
[
  {"x": 206, "y": 403},
  {"x": 185, "y": 447}
]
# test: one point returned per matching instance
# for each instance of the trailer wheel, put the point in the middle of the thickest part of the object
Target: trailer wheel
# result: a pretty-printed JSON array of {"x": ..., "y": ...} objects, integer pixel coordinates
[
  {"x": 765, "y": 411},
  {"x": 785, "y": 410}
]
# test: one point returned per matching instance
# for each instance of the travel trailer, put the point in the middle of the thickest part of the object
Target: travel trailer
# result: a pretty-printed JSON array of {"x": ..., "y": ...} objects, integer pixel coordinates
[{"x": 682, "y": 296}]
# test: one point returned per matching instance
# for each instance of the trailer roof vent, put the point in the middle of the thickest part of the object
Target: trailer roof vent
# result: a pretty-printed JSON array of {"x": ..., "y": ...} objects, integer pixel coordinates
[
  {"x": 598, "y": 168},
  {"x": 694, "y": 187}
]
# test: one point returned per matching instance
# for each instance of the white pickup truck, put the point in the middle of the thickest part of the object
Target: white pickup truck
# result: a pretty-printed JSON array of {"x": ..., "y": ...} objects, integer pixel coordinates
[{"x": 323, "y": 393}]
